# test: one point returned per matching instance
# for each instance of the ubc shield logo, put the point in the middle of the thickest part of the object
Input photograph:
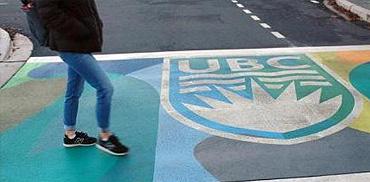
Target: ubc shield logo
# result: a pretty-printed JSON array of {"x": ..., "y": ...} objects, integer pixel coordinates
[{"x": 266, "y": 99}]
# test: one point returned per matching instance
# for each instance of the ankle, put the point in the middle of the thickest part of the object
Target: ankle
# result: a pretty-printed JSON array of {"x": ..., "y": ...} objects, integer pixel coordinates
[
  {"x": 105, "y": 135},
  {"x": 70, "y": 133}
]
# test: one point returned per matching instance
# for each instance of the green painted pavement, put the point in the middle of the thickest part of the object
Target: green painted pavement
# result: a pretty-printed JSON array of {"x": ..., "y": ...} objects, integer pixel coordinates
[{"x": 33, "y": 150}]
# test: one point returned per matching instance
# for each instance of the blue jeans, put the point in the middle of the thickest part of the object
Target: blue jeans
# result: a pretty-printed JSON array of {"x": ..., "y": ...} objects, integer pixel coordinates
[{"x": 81, "y": 67}]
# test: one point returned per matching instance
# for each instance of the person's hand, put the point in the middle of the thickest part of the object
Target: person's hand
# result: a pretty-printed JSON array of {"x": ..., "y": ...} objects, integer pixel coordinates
[{"x": 27, "y": 7}]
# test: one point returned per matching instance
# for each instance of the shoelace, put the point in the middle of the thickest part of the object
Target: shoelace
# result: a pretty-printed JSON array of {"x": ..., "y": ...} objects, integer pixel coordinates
[
  {"x": 115, "y": 141},
  {"x": 81, "y": 134}
]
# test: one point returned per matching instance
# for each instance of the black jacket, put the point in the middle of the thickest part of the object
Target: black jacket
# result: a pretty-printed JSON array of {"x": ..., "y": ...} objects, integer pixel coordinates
[
  {"x": 38, "y": 31},
  {"x": 73, "y": 25}
]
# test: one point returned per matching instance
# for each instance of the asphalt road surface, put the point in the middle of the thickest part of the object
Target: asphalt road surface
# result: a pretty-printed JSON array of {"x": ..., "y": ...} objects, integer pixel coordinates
[{"x": 167, "y": 25}]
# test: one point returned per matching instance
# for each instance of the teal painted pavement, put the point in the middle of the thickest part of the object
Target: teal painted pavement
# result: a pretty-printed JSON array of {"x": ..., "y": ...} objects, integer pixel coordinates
[
  {"x": 360, "y": 78},
  {"x": 33, "y": 151}
]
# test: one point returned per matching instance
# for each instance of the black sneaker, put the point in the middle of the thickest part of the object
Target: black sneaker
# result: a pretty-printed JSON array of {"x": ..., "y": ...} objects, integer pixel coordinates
[
  {"x": 112, "y": 146},
  {"x": 81, "y": 139}
]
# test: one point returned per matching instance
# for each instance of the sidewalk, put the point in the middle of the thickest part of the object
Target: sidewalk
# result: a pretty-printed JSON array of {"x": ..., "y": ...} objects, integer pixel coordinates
[
  {"x": 358, "y": 7},
  {"x": 14, "y": 52}
]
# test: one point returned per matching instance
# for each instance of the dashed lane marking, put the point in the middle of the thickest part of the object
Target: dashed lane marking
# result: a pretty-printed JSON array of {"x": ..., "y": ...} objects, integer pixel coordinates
[
  {"x": 247, "y": 11},
  {"x": 265, "y": 25},
  {"x": 314, "y": 1},
  {"x": 254, "y": 17},
  {"x": 240, "y": 5},
  {"x": 278, "y": 35}
]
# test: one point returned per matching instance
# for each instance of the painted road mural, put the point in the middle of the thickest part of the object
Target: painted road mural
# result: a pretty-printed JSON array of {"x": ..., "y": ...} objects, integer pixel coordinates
[{"x": 204, "y": 116}]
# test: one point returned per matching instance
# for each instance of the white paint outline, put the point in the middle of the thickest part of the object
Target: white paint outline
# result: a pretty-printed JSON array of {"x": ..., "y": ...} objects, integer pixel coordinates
[
  {"x": 291, "y": 78},
  {"x": 354, "y": 177},
  {"x": 210, "y": 53},
  {"x": 195, "y": 89},
  {"x": 238, "y": 88},
  {"x": 315, "y": 83},
  {"x": 273, "y": 85},
  {"x": 211, "y": 82},
  {"x": 250, "y": 73}
]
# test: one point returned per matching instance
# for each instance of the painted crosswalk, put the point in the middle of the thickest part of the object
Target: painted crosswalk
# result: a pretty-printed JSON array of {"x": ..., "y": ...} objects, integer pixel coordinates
[{"x": 179, "y": 110}]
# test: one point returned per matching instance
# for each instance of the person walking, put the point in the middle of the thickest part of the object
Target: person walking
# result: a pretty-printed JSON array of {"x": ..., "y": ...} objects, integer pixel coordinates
[{"x": 74, "y": 30}]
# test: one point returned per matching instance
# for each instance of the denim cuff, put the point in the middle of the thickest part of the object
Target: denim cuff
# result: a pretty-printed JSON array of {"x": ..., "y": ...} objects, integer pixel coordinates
[
  {"x": 69, "y": 127},
  {"x": 104, "y": 130}
]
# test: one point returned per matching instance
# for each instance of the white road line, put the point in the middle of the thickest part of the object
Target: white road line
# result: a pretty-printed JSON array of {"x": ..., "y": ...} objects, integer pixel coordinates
[
  {"x": 247, "y": 11},
  {"x": 240, "y": 5},
  {"x": 254, "y": 17},
  {"x": 314, "y": 1},
  {"x": 210, "y": 53},
  {"x": 234, "y": 1},
  {"x": 278, "y": 35},
  {"x": 3, "y": 4},
  {"x": 265, "y": 25}
]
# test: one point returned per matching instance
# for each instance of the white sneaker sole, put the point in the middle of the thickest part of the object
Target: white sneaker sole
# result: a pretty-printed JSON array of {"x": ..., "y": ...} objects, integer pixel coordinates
[
  {"x": 78, "y": 145},
  {"x": 110, "y": 152}
]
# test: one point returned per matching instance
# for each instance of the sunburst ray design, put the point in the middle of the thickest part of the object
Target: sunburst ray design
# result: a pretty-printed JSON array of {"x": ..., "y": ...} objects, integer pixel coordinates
[{"x": 266, "y": 113}]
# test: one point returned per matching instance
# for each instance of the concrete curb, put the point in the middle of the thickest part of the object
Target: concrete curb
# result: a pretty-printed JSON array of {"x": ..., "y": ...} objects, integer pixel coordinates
[
  {"x": 362, "y": 12},
  {"x": 331, "y": 8},
  {"x": 21, "y": 48},
  {"x": 17, "y": 53},
  {"x": 5, "y": 43}
]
